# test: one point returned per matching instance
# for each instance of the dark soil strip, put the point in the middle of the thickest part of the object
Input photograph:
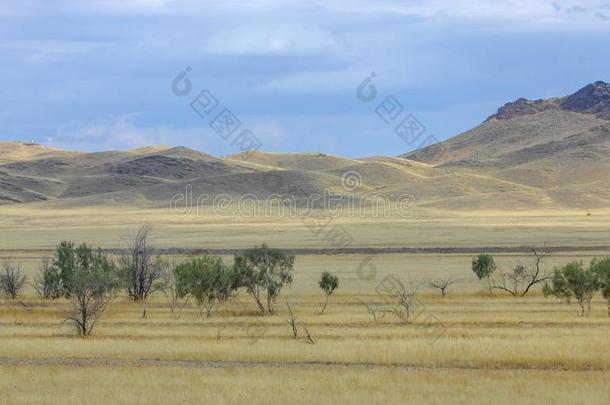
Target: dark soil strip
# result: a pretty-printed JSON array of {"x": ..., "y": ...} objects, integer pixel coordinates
[
  {"x": 357, "y": 250},
  {"x": 93, "y": 362}
]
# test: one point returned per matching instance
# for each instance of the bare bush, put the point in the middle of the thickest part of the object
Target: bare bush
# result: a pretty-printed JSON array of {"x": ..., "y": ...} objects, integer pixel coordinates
[
  {"x": 138, "y": 270},
  {"x": 292, "y": 322},
  {"x": 295, "y": 324},
  {"x": 404, "y": 301},
  {"x": 442, "y": 284},
  {"x": 374, "y": 310},
  {"x": 12, "y": 281},
  {"x": 520, "y": 281}
]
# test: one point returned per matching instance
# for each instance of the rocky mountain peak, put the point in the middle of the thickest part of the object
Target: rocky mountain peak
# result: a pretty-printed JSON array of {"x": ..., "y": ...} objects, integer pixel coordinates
[{"x": 594, "y": 98}]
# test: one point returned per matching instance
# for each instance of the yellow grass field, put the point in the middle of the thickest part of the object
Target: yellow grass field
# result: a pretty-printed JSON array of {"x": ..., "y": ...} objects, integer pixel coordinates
[{"x": 41, "y": 226}]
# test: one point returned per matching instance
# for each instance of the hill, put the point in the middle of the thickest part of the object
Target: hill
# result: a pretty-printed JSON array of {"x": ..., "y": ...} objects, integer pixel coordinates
[{"x": 530, "y": 154}]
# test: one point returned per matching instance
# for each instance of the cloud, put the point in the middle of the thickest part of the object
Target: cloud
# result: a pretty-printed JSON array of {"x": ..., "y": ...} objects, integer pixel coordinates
[
  {"x": 319, "y": 81},
  {"x": 41, "y": 51},
  {"x": 272, "y": 40},
  {"x": 124, "y": 132},
  {"x": 102, "y": 133},
  {"x": 494, "y": 14}
]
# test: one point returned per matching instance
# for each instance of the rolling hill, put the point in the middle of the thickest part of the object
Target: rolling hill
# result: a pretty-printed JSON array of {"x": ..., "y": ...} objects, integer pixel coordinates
[{"x": 530, "y": 154}]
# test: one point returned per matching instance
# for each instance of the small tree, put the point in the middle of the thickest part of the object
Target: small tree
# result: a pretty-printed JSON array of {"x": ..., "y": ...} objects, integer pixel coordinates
[
  {"x": 328, "y": 283},
  {"x": 484, "y": 266},
  {"x": 140, "y": 274},
  {"x": 207, "y": 279},
  {"x": 92, "y": 286},
  {"x": 264, "y": 271},
  {"x": 12, "y": 281},
  {"x": 573, "y": 281},
  {"x": 521, "y": 279},
  {"x": 48, "y": 282},
  {"x": 602, "y": 269},
  {"x": 442, "y": 284}
]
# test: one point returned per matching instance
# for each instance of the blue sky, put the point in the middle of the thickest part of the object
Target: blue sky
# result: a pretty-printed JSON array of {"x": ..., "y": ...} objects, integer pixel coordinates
[{"x": 97, "y": 74}]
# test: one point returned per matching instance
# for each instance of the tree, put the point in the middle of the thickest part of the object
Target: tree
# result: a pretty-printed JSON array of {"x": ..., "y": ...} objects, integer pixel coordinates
[
  {"x": 264, "y": 271},
  {"x": 12, "y": 281},
  {"x": 70, "y": 259},
  {"x": 573, "y": 281},
  {"x": 602, "y": 269},
  {"x": 140, "y": 274},
  {"x": 93, "y": 284},
  {"x": 442, "y": 284},
  {"x": 207, "y": 279},
  {"x": 521, "y": 279},
  {"x": 48, "y": 282},
  {"x": 328, "y": 283},
  {"x": 484, "y": 266}
]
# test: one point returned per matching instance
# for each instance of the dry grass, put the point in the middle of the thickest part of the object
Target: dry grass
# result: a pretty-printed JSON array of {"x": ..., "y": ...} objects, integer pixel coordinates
[
  {"x": 157, "y": 385},
  {"x": 41, "y": 226},
  {"x": 466, "y": 348}
]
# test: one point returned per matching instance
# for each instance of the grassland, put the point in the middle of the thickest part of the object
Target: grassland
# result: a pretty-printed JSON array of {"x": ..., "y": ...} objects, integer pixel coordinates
[
  {"x": 34, "y": 226},
  {"x": 466, "y": 348}
]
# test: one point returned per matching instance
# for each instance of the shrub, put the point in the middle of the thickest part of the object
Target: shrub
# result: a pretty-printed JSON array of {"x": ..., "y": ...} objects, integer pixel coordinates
[
  {"x": 48, "y": 281},
  {"x": 207, "y": 279}
]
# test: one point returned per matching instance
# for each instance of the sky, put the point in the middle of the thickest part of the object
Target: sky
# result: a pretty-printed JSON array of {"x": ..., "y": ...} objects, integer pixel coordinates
[{"x": 300, "y": 76}]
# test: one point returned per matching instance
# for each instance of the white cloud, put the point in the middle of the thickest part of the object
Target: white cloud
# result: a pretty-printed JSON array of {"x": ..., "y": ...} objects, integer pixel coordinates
[
  {"x": 320, "y": 81},
  {"x": 40, "y": 51},
  {"x": 272, "y": 40}
]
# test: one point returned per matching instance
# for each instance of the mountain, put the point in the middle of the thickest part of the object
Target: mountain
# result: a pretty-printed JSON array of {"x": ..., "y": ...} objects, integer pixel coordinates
[
  {"x": 559, "y": 145},
  {"x": 530, "y": 154}
]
